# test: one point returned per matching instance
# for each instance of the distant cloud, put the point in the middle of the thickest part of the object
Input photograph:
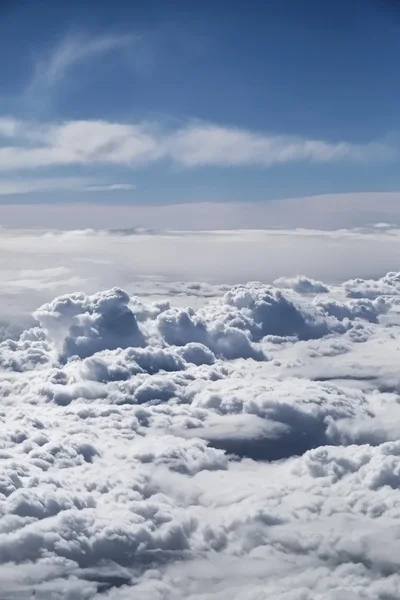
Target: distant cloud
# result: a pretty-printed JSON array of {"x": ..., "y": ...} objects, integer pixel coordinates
[
  {"x": 302, "y": 285},
  {"x": 11, "y": 187},
  {"x": 88, "y": 142},
  {"x": 155, "y": 265},
  {"x": 112, "y": 187},
  {"x": 324, "y": 212}
]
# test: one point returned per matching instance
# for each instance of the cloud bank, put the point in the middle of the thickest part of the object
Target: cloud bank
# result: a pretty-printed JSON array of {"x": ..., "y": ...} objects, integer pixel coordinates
[
  {"x": 39, "y": 264},
  {"x": 29, "y": 145},
  {"x": 326, "y": 212},
  {"x": 246, "y": 447}
]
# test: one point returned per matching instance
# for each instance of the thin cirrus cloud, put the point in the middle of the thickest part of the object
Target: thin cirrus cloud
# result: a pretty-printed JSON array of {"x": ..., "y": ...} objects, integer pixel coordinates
[
  {"x": 30, "y": 146},
  {"x": 70, "y": 52},
  {"x": 10, "y": 187}
]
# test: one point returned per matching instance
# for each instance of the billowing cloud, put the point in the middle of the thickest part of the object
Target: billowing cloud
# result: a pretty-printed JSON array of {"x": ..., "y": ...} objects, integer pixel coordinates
[
  {"x": 89, "y": 324},
  {"x": 388, "y": 285},
  {"x": 302, "y": 285},
  {"x": 245, "y": 447}
]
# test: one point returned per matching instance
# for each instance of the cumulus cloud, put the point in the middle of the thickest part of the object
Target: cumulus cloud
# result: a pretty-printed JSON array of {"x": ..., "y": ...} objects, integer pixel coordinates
[
  {"x": 83, "y": 325},
  {"x": 389, "y": 285},
  {"x": 302, "y": 285},
  {"x": 242, "y": 447}
]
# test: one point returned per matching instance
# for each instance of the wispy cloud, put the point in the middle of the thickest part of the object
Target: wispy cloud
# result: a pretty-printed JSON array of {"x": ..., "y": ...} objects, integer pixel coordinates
[
  {"x": 8, "y": 127},
  {"x": 35, "y": 146},
  {"x": 72, "y": 51},
  {"x": 11, "y": 187},
  {"x": 111, "y": 187}
]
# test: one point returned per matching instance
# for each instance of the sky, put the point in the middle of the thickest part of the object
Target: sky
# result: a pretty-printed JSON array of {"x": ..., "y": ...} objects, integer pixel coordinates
[{"x": 155, "y": 103}]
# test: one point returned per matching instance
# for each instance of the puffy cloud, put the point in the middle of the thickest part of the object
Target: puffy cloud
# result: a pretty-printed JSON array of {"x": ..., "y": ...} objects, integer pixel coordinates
[
  {"x": 302, "y": 285},
  {"x": 389, "y": 285},
  {"x": 149, "y": 263},
  {"x": 363, "y": 308},
  {"x": 244, "y": 447},
  {"x": 83, "y": 325},
  {"x": 180, "y": 327}
]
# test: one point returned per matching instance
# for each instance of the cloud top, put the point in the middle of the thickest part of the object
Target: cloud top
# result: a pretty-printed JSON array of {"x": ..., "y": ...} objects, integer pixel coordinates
[{"x": 151, "y": 450}]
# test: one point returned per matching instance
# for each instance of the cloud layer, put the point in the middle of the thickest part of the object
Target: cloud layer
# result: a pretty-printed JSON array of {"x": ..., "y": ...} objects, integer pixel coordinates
[
  {"x": 28, "y": 145},
  {"x": 246, "y": 448},
  {"x": 325, "y": 212},
  {"x": 149, "y": 263}
]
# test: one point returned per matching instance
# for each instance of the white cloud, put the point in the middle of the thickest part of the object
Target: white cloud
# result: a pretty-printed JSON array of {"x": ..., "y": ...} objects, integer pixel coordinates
[
  {"x": 145, "y": 469},
  {"x": 110, "y": 187},
  {"x": 205, "y": 144},
  {"x": 302, "y": 285},
  {"x": 188, "y": 438},
  {"x": 388, "y": 285},
  {"x": 192, "y": 145},
  {"x": 150, "y": 263}
]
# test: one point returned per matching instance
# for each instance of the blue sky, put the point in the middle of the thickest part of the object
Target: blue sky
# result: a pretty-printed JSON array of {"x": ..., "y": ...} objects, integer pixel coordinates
[{"x": 164, "y": 102}]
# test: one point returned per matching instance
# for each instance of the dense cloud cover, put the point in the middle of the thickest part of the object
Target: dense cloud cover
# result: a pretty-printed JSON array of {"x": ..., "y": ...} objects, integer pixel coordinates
[
  {"x": 37, "y": 265},
  {"x": 246, "y": 448}
]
